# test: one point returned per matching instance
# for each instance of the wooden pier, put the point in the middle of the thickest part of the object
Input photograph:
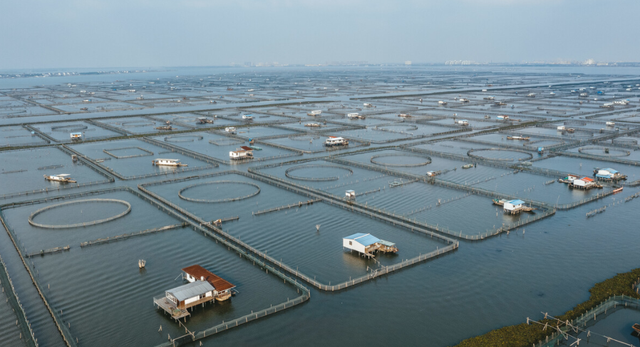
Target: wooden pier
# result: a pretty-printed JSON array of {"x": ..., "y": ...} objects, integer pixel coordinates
[
  {"x": 218, "y": 222},
  {"x": 170, "y": 308},
  {"x": 520, "y": 209},
  {"x": 49, "y": 251},
  {"x": 126, "y": 236}
]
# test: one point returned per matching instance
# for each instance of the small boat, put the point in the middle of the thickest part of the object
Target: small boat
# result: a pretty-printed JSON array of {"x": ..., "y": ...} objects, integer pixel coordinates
[
  {"x": 617, "y": 190},
  {"x": 164, "y": 127},
  {"x": 336, "y": 141},
  {"x": 518, "y": 137},
  {"x": 142, "y": 263},
  {"x": 167, "y": 162},
  {"x": 499, "y": 202},
  {"x": 467, "y": 166},
  {"x": 230, "y": 130},
  {"x": 636, "y": 328},
  {"x": 244, "y": 152},
  {"x": 223, "y": 297},
  {"x": 255, "y": 148},
  {"x": 394, "y": 184},
  {"x": 64, "y": 178}
]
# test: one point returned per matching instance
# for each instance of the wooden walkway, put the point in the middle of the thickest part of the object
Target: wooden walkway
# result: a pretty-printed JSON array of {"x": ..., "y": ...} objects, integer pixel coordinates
[
  {"x": 126, "y": 236},
  {"x": 297, "y": 204},
  {"x": 169, "y": 307},
  {"x": 49, "y": 251}
]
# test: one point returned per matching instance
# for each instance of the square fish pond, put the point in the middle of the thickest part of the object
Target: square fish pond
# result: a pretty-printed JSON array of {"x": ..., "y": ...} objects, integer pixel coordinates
[
  {"x": 136, "y": 158},
  {"x": 217, "y": 146},
  {"x": 84, "y": 217},
  {"x": 310, "y": 143},
  {"x": 18, "y": 136},
  {"x": 421, "y": 202},
  {"x": 190, "y": 120},
  {"x": 61, "y": 131},
  {"x": 305, "y": 236},
  {"x": 139, "y": 125},
  {"x": 119, "y": 296},
  {"x": 24, "y": 170}
]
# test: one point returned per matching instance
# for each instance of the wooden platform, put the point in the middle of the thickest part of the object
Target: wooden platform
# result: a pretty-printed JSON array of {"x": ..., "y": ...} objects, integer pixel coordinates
[{"x": 169, "y": 307}]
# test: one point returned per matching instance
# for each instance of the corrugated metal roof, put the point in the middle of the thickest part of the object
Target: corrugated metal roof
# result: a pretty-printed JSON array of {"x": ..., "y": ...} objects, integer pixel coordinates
[
  {"x": 516, "y": 202},
  {"x": 364, "y": 239},
  {"x": 368, "y": 240},
  {"x": 217, "y": 282},
  {"x": 355, "y": 236},
  {"x": 190, "y": 290},
  {"x": 387, "y": 243}
]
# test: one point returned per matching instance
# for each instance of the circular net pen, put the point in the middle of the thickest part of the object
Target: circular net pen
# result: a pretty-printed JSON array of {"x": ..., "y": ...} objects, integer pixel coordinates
[
  {"x": 316, "y": 166},
  {"x": 226, "y": 142},
  {"x": 375, "y": 160},
  {"x": 183, "y": 138},
  {"x": 472, "y": 153},
  {"x": 145, "y": 153},
  {"x": 604, "y": 151},
  {"x": 213, "y": 201},
  {"x": 84, "y": 224},
  {"x": 69, "y": 128}
]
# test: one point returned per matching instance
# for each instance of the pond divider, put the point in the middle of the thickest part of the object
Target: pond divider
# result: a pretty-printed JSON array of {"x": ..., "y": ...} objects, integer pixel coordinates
[
  {"x": 276, "y": 209},
  {"x": 9, "y": 290},
  {"x": 133, "y": 234}
]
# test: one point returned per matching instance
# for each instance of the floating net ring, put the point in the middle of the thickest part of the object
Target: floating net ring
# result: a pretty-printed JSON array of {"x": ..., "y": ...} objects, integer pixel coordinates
[
  {"x": 319, "y": 179},
  {"x": 183, "y": 138},
  {"x": 137, "y": 123},
  {"x": 77, "y": 225},
  {"x": 375, "y": 161},
  {"x": 304, "y": 138},
  {"x": 226, "y": 142},
  {"x": 409, "y": 127},
  {"x": 218, "y": 200},
  {"x": 69, "y": 128},
  {"x": 471, "y": 154},
  {"x": 600, "y": 151}
]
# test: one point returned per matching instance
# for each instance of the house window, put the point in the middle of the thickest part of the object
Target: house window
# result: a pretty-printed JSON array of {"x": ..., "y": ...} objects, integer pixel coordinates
[{"x": 350, "y": 243}]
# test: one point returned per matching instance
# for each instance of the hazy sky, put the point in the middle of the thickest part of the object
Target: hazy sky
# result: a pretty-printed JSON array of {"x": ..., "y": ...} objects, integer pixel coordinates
[{"x": 149, "y": 33}]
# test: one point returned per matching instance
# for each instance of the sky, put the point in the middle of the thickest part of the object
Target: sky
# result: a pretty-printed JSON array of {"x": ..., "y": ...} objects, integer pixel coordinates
[{"x": 160, "y": 33}]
